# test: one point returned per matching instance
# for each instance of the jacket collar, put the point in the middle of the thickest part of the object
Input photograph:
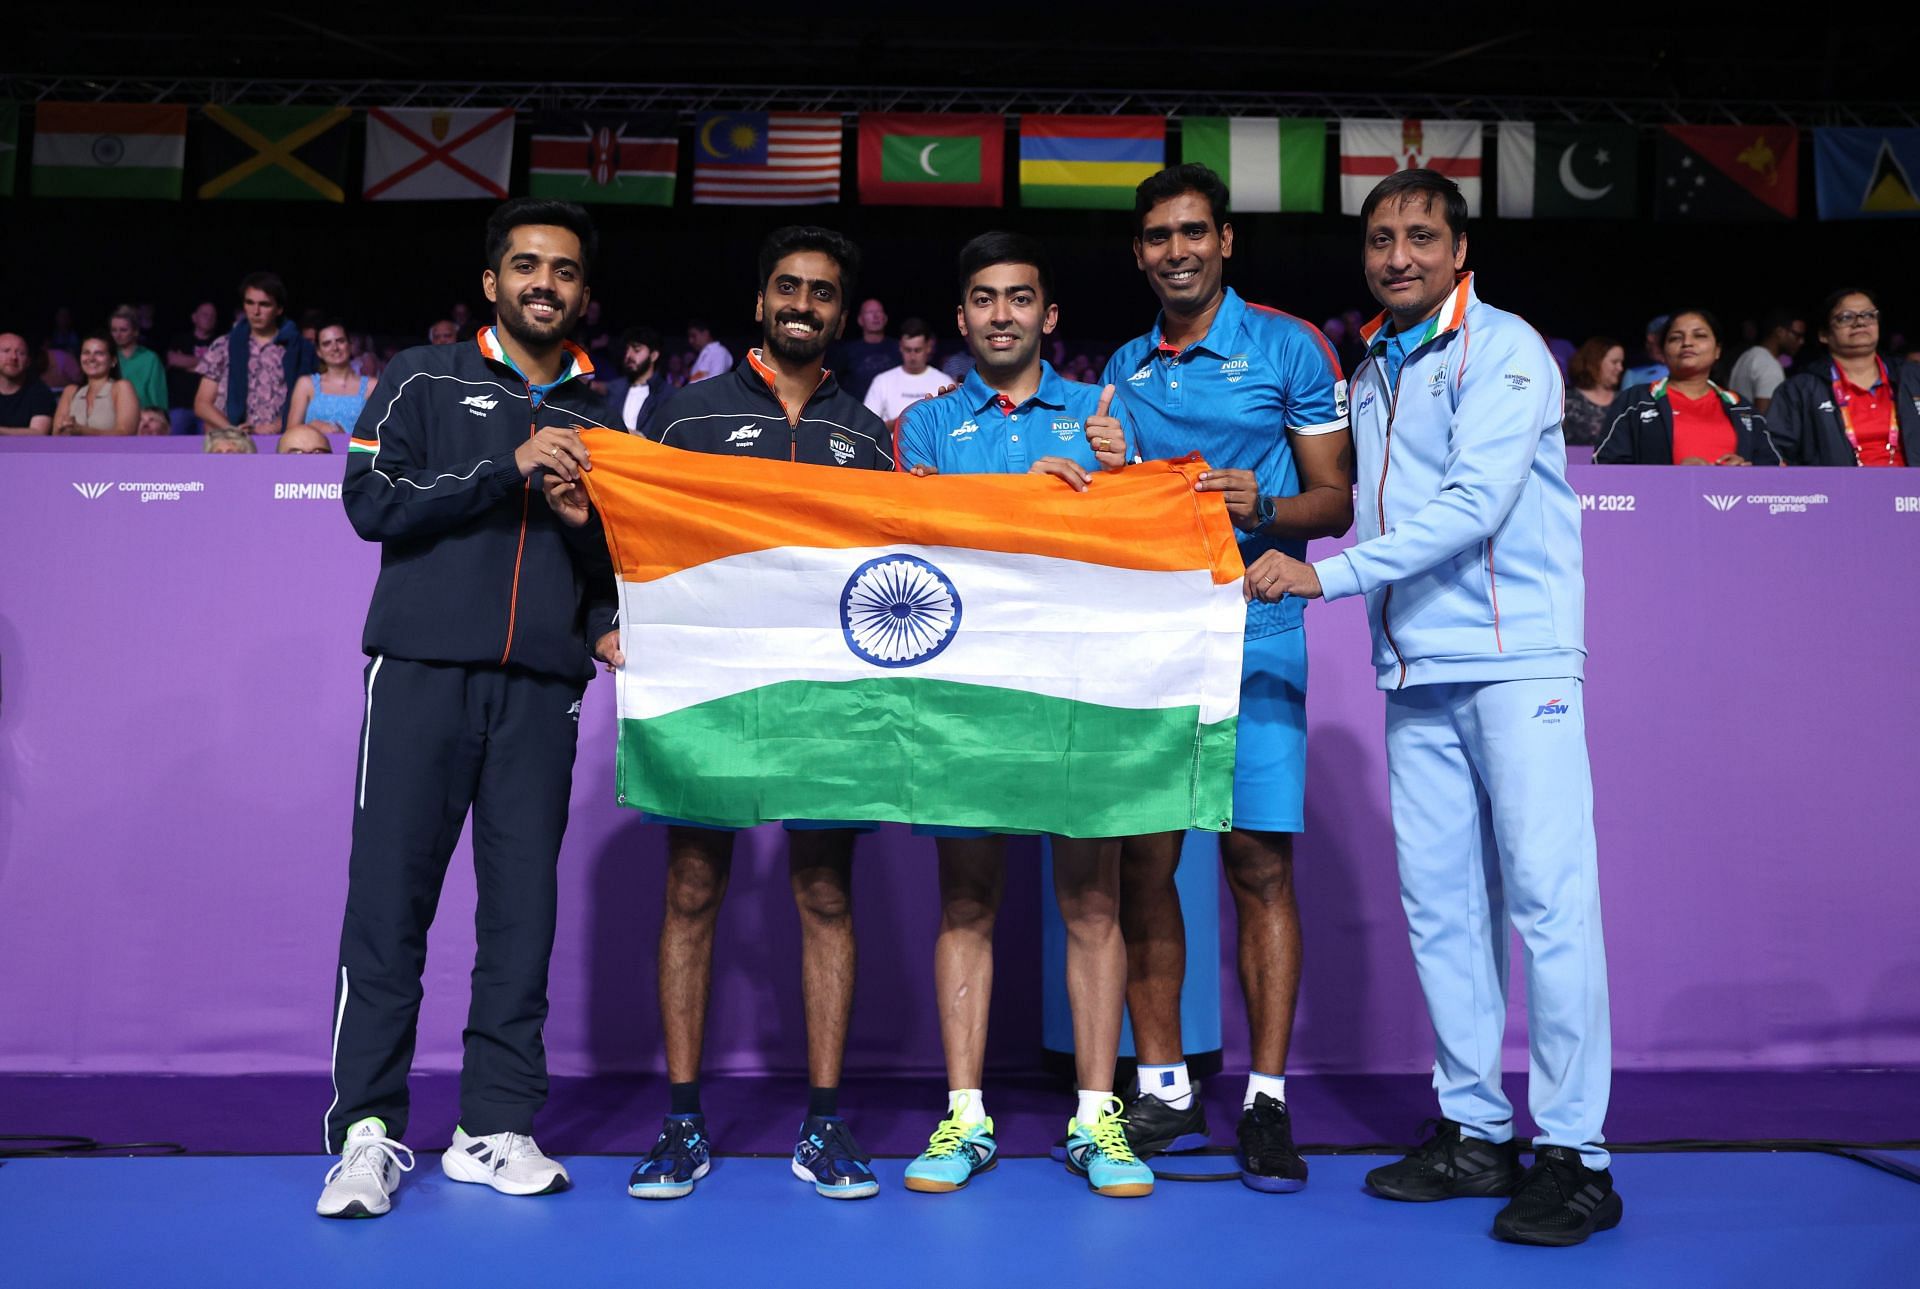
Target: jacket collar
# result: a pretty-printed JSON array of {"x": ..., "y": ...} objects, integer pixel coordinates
[
  {"x": 1727, "y": 397},
  {"x": 1453, "y": 311},
  {"x": 1222, "y": 334},
  {"x": 1051, "y": 392},
  {"x": 579, "y": 365}
]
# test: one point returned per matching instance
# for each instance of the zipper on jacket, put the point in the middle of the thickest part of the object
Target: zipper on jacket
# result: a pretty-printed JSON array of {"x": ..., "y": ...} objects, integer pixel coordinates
[
  {"x": 1493, "y": 593},
  {"x": 526, "y": 495},
  {"x": 1380, "y": 506}
]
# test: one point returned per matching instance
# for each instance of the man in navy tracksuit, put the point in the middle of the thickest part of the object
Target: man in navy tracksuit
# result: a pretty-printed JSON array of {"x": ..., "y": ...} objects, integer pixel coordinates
[
  {"x": 1469, "y": 558},
  {"x": 478, "y": 635}
]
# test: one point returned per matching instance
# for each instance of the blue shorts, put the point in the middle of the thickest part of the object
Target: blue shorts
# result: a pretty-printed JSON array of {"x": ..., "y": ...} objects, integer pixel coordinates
[
  {"x": 1270, "y": 755},
  {"x": 791, "y": 825}
]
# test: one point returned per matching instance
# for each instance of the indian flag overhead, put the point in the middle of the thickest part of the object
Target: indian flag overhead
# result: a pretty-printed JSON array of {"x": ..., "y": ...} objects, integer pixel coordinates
[
  {"x": 109, "y": 149},
  {"x": 990, "y": 651}
]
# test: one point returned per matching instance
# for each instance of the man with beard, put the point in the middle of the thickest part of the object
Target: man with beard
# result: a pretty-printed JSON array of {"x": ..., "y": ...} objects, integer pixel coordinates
[
  {"x": 635, "y": 395},
  {"x": 1015, "y": 415},
  {"x": 777, "y": 403},
  {"x": 478, "y": 663}
]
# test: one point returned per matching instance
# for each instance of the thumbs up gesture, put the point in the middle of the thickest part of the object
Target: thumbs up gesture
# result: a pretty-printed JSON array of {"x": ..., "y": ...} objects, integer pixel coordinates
[{"x": 1106, "y": 435}]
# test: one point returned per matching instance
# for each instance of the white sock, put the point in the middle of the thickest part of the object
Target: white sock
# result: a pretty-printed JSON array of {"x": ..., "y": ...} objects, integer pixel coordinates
[
  {"x": 1168, "y": 1082},
  {"x": 1091, "y": 1106},
  {"x": 1274, "y": 1085},
  {"x": 971, "y": 1104}
]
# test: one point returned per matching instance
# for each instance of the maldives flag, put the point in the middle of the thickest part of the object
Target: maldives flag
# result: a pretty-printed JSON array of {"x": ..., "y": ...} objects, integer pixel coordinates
[
  {"x": 1372, "y": 150},
  {"x": 932, "y": 159},
  {"x": 625, "y": 157},
  {"x": 1727, "y": 172},
  {"x": 810, "y": 643}
]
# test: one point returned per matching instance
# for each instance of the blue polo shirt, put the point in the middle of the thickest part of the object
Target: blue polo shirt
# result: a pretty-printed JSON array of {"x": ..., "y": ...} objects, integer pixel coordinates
[
  {"x": 971, "y": 432},
  {"x": 1232, "y": 396}
]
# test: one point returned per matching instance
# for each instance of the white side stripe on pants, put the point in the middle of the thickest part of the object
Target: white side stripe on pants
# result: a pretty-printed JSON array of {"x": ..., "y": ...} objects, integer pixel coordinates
[
  {"x": 333, "y": 1058},
  {"x": 366, "y": 734}
]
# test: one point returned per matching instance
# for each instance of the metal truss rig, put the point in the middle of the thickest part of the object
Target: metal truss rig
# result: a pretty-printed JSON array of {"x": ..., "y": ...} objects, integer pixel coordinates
[{"x": 686, "y": 100}]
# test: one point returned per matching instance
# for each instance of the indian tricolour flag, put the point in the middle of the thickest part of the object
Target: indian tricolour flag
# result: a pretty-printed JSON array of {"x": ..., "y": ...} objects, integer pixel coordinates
[
  {"x": 990, "y": 651},
  {"x": 1268, "y": 163},
  {"x": 109, "y": 149}
]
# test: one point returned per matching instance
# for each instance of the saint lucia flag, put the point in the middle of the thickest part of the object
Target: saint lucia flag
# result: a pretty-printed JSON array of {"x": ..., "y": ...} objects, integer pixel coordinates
[
  {"x": 988, "y": 651},
  {"x": 1867, "y": 174}
]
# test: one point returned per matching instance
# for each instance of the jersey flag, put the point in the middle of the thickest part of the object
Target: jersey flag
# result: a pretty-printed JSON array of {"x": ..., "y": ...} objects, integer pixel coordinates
[
  {"x": 932, "y": 159},
  {"x": 988, "y": 651},
  {"x": 429, "y": 154}
]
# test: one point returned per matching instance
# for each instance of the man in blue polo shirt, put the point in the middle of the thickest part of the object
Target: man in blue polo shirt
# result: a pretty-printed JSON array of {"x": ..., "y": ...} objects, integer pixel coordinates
[
  {"x": 1013, "y": 414},
  {"x": 1259, "y": 394}
]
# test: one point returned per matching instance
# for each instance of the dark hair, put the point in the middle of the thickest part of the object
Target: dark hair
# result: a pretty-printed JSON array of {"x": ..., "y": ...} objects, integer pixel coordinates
[
  {"x": 916, "y": 327},
  {"x": 1170, "y": 183},
  {"x": 522, "y": 211},
  {"x": 127, "y": 312},
  {"x": 326, "y": 322},
  {"x": 699, "y": 324},
  {"x": 267, "y": 282},
  {"x": 1583, "y": 369},
  {"x": 1401, "y": 184},
  {"x": 1777, "y": 318},
  {"x": 1834, "y": 298},
  {"x": 1705, "y": 315},
  {"x": 997, "y": 247},
  {"x": 782, "y": 242},
  {"x": 113, "y": 352},
  {"x": 640, "y": 336}
]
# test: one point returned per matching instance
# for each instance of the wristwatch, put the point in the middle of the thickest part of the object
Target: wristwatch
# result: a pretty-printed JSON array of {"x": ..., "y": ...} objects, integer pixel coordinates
[{"x": 1262, "y": 512}]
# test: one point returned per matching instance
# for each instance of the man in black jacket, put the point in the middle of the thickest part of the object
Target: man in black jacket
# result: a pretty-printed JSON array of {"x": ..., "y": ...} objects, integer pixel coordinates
[{"x": 478, "y": 637}]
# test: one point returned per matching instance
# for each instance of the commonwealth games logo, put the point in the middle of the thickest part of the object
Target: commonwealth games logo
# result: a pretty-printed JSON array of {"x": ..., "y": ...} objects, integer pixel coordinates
[{"x": 898, "y": 611}]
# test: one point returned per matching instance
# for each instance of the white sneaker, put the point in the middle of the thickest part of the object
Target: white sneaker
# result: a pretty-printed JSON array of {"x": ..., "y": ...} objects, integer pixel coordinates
[
  {"x": 507, "y": 1161},
  {"x": 363, "y": 1182}
]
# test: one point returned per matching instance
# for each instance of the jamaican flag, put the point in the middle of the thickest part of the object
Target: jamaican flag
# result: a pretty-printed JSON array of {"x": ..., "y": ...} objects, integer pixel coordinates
[{"x": 254, "y": 153}]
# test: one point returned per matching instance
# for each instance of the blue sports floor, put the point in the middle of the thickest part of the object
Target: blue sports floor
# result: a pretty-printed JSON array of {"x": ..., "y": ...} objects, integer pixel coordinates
[{"x": 1698, "y": 1220}]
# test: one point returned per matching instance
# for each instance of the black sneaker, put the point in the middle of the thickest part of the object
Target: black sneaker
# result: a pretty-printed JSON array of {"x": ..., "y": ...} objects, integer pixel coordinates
[
  {"x": 1268, "y": 1161},
  {"x": 1560, "y": 1201},
  {"x": 1155, "y": 1128},
  {"x": 1450, "y": 1165},
  {"x": 681, "y": 1157}
]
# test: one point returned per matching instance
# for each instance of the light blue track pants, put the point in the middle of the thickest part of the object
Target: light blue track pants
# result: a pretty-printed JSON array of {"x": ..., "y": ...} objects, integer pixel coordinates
[{"x": 1493, "y": 822}]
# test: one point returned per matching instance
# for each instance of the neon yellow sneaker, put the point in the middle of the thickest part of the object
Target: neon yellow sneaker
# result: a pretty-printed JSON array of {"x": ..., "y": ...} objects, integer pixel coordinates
[
  {"x": 1101, "y": 1155},
  {"x": 956, "y": 1154}
]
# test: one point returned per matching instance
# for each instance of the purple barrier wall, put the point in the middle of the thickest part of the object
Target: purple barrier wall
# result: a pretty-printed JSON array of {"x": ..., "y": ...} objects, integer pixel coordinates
[{"x": 178, "y": 726}]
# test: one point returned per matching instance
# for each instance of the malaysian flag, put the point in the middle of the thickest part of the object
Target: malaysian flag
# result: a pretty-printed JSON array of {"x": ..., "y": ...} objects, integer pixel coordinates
[{"x": 766, "y": 159}]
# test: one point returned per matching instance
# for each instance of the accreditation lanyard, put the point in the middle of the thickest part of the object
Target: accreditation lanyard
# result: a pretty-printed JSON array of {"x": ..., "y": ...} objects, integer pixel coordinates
[{"x": 1841, "y": 399}]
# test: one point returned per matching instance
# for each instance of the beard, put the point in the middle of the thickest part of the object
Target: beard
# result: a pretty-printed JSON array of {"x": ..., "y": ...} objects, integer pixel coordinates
[
  {"x": 796, "y": 349},
  {"x": 513, "y": 317}
]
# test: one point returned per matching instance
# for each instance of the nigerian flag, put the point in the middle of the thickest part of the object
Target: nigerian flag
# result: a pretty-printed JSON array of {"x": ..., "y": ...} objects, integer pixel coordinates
[
  {"x": 989, "y": 651},
  {"x": 1268, "y": 163}
]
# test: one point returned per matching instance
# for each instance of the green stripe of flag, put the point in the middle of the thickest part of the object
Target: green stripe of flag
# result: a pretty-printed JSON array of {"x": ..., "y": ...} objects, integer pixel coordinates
[
  {"x": 117, "y": 181},
  {"x": 632, "y": 190},
  {"x": 832, "y": 751}
]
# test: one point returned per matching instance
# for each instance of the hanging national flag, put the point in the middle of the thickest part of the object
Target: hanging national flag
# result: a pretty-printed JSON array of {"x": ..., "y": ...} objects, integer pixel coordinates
[
  {"x": 1088, "y": 161},
  {"x": 433, "y": 154},
  {"x": 249, "y": 152},
  {"x": 807, "y": 643},
  {"x": 9, "y": 144},
  {"x": 1372, "y": 150},
  {"x": 1550, "y": 171},
  {"x": 1727, "y": 172},
  {"x": 605, "y": 157},
  {"x": 766, "y": 159},
  {"x": 109, "y": 149},
  {"x": 1867, "y": 174},
  {"x": 1268, "y": 163},
  {"x": 932, "y": 159}
]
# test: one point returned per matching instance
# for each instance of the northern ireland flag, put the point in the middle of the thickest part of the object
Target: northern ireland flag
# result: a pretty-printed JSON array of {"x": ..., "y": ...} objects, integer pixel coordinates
[
  {"x": 432, "y": 154},
  {"x": 1372, "y": 150},
  {"x": 988, "y": 651}
]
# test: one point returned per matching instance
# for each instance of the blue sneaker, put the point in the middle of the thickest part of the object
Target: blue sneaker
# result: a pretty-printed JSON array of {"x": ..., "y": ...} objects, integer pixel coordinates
[
  {"x": 832, "y": 1160},
  {"x": 1100, "y": 1154},
  {"x": 678, "y": 1159},
  {"x": 957, "y": 1152}
]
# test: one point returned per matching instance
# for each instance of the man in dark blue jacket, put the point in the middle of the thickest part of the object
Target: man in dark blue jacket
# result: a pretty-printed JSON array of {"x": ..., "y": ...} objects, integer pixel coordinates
[{"x": 478, "y": 635}]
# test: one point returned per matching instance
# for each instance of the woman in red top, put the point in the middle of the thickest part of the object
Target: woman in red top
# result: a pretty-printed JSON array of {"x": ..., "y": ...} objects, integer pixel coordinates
[
  {"x": 1685, "y": 419},
  {"x": 1853, "y": 407}
]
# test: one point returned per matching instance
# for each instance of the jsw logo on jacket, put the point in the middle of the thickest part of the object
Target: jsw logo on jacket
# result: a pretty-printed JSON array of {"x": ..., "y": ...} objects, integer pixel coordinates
[{"x": 1469, "y": 534}]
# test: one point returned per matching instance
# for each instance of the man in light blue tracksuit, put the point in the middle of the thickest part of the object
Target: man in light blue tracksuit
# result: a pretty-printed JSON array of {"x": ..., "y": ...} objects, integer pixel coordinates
[{"x": 1469, "y": 558}]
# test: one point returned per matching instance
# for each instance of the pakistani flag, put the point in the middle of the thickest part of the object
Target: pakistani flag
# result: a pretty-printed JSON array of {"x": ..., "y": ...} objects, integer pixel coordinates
[
  {"x": 809, "y": 643},
  {"x": 1552, "y": 171},
  {"x": 1268, "y": 163},
  {"x": 9, "y": 143}
]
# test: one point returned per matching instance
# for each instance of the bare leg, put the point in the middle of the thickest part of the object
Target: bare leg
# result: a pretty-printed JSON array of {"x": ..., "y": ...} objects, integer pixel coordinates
[
  {"x": 820, "y": 868},
  {"x": 1086, "y": 882},
  {"x": 973, "y": 872},
  {"x": 1156, "y": 943},
  {"x": 699, "y": 863},
  {"x": 1260, "y": 873}
]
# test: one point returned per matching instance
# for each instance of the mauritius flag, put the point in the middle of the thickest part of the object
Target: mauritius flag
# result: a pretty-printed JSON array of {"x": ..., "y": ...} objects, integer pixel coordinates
[
  {"x": 1088, "y": 161},
  {"x": 804, "y": 642},
  {"x": 932, "y": 159}
]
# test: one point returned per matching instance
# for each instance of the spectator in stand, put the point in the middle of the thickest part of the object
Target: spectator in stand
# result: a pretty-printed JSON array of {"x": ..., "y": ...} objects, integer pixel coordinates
[
  {"x": 642, "y": 386},
  {"x": 592, "y": 336},
  {"x": 143, "y": 314},
  {"x": 64, "y": 337},
  {"x": 330, "y": 399},
  {"x": 1593, "y": 382},
  {"x": 153, "y": 421},
  {"x": 1684, "y": 418},
  {"x": 677, "y": 365},
  {"x": 1760, "y": 371},
  {"x": 222, "y": 443},
  {"x": 894, "y": 390},
  {"x": 59, "y": 369},
  {"x": 303, "y": 440},
  {"x": 463, "y": 326},
  {"x": 366, "y": 356},
  {"x": 1652, "y": 370},
  {"x": 103, "y": 402},
  {"x": 710, "y": 357},
  {"x": 185, "y": 352},
  {"x": 958, "y": 364},
  {"x": 139, "y": 364},
  {"x": 26, "y": 405},
  {"x": 444, "y": 332},
  {"x": 248, "y": 378},
  {"x": 1848, "y": 409},
  {"x": 857, "y": 362},
  {"x": 311, "y": 320}
]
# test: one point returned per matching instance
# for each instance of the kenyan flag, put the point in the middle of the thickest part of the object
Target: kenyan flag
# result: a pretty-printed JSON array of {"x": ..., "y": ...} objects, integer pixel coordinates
[{"x": 605, "y": 157}]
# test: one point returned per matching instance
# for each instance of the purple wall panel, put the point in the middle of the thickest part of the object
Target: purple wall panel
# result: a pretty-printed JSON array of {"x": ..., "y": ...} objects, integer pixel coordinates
[{"x": 179, "y": 723}]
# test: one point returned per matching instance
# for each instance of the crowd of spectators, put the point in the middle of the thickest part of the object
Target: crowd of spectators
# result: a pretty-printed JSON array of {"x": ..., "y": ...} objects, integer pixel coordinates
[{"x": 1817, "y": 387}]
